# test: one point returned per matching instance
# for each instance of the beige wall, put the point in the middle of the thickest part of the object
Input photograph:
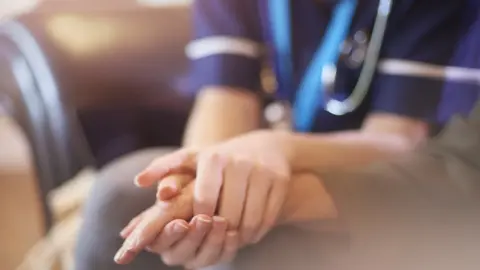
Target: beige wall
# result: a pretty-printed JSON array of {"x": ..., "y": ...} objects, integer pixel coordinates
[{"x": 21, "y": 220}]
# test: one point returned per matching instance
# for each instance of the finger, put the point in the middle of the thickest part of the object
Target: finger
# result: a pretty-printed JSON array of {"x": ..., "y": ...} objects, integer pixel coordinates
[
  {"x": 234, "y": 191},
  {"x": 171, "y": 234},
  {"x": 208, "y": 183},
  {"x": 255, "y": 205},
  {"x": 144, "y": 233},
  {"x": 276, "y": 199},
  {"x": 182, "y": 161},
  {"x": 171, "y": 186},
  {"x": 211, "y": 249},
  {"x": 230, "y": 247},
  {"x": 153, "y": 222},
  {"x": 186, "y": 248},
  {"x": 131, "y": 226}
]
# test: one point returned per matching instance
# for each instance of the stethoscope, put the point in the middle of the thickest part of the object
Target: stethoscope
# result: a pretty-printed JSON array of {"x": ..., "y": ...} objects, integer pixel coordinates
[{"x": 317, "y": 85}]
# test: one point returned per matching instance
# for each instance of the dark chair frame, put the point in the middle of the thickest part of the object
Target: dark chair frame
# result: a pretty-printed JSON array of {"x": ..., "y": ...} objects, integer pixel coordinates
[{"x": 51, "y": 126}]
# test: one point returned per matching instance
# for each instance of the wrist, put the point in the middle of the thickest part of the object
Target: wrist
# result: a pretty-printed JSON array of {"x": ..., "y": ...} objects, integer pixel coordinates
[
  {"x": 307, "y": 201},
  {"x": 286, "y": 142}
]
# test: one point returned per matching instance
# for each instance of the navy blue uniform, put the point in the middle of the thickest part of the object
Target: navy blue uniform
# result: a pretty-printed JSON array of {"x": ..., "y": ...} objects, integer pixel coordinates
[
  {"x": 233, "y": 38},
  {"x": 401, "y": 215}
]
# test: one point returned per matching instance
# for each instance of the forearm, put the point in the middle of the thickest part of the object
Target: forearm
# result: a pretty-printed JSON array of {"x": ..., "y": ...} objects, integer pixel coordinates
[
  {"x": 381, "y": 137},
  {"x": 340, "y": 150},
  {"x": 430, "y": 183},
  {"x": 220, "y": 114}
]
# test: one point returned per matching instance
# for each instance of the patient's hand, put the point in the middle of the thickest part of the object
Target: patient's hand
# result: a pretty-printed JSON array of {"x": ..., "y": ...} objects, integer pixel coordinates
[
  {"x": 163, "y": 229},
  {"x": 144, "y": 229}
]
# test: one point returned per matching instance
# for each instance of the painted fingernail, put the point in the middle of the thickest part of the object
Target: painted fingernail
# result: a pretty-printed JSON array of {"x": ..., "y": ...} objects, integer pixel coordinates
[
  {"x": 136, "y": 180},
  {"x": 119, "y": 255},
  {"x": 180, "y": 228}
]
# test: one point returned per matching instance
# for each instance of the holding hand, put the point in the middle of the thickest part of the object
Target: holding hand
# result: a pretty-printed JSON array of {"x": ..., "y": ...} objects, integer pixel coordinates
[
  {"x": 162, "y": 229},
  {"x": 244, "y": 180},
  {"x": 206, "y": 241},
  {"x": 144, "y": 229}
]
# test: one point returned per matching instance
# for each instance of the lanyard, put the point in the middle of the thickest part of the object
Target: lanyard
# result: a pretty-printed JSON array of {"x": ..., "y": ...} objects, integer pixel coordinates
[{"x": 310, "y": 91}]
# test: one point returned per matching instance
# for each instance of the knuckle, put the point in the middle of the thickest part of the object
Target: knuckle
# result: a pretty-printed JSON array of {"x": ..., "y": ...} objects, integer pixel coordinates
[
  {"x": 245, "y": 166},
  {"x": 210, "y": 156}
]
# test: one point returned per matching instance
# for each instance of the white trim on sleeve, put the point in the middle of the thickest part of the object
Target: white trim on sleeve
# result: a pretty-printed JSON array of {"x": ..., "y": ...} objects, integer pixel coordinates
[
  {"x": 400, "y": 67},
  {"x": 209, "y": 46}
]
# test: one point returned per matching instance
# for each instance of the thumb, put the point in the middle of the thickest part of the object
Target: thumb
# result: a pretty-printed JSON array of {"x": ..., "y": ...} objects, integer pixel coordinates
[
  {"x": 181, "y": 162},
  {"x": 172, "y": 185}
]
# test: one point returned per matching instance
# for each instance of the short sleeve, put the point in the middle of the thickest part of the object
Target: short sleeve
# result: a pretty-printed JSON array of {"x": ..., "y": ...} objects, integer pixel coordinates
[
  {"x": 419, "y": 43},
  {"x": 226, "y": 49}
]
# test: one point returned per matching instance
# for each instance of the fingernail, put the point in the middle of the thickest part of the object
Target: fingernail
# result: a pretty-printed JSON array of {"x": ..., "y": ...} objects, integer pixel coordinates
[
  {"x": 219, "y": 219},
  {"x": 131, "y": 243},
  {"x": 203, "y": 223},
  {"x": 180, "y": 228},
  {"x": 119, "y": 255},
  {"x": 136, "y": 180}
]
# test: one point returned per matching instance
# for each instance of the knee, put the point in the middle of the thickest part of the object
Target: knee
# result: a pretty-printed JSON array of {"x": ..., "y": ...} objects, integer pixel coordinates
[
  {"x": 113, "y": 202},
  {"x": 114, "y": 198}
]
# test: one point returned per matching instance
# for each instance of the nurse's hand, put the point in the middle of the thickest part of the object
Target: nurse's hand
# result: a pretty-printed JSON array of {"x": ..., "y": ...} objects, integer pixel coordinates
[{"x": 244, "y": 180}]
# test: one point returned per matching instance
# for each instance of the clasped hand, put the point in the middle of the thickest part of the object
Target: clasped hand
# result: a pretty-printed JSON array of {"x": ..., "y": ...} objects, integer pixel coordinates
[{"x": 231, "y": 194}]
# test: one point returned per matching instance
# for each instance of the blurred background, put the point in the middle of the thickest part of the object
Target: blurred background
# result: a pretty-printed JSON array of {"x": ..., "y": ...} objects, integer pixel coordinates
[{"x": 82, "y": 82}]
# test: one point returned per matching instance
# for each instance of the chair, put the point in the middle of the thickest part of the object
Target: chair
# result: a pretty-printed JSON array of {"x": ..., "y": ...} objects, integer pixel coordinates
[{"x": 79, "y": 79}]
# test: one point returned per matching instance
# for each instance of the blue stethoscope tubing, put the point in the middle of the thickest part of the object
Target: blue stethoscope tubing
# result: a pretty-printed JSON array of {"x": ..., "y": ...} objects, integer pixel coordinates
[{"x": 319, "y": 77}]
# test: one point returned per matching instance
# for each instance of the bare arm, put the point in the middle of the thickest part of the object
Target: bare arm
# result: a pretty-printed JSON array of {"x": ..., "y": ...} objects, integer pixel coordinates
[
  {"x": 438, "y": 179},
  {"x": 382, "y": 136},
  {"x": 220, "y": 113}
]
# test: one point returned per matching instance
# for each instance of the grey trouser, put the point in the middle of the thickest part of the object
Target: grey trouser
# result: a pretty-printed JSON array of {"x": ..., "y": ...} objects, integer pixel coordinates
[{"x": 114, "y": 201}]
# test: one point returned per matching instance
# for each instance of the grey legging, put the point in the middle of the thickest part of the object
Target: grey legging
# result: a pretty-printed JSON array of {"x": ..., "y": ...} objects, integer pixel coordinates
[{"x": 115, "y": 200}]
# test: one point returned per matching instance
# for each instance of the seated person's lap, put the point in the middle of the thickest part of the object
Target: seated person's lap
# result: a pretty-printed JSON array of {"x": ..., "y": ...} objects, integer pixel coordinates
[{"x": 115, "y": 200}]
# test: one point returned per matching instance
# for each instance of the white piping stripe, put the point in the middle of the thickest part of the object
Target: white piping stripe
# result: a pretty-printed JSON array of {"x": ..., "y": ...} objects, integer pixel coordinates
[
  {"x": 424, "y": 70},
  {"x": 223, "y": 45}
]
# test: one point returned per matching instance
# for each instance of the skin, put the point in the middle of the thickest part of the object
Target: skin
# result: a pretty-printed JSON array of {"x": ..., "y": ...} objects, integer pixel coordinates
[
  {"x": 235, "y": 172},
  {"x": 152, "y": 230}
]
